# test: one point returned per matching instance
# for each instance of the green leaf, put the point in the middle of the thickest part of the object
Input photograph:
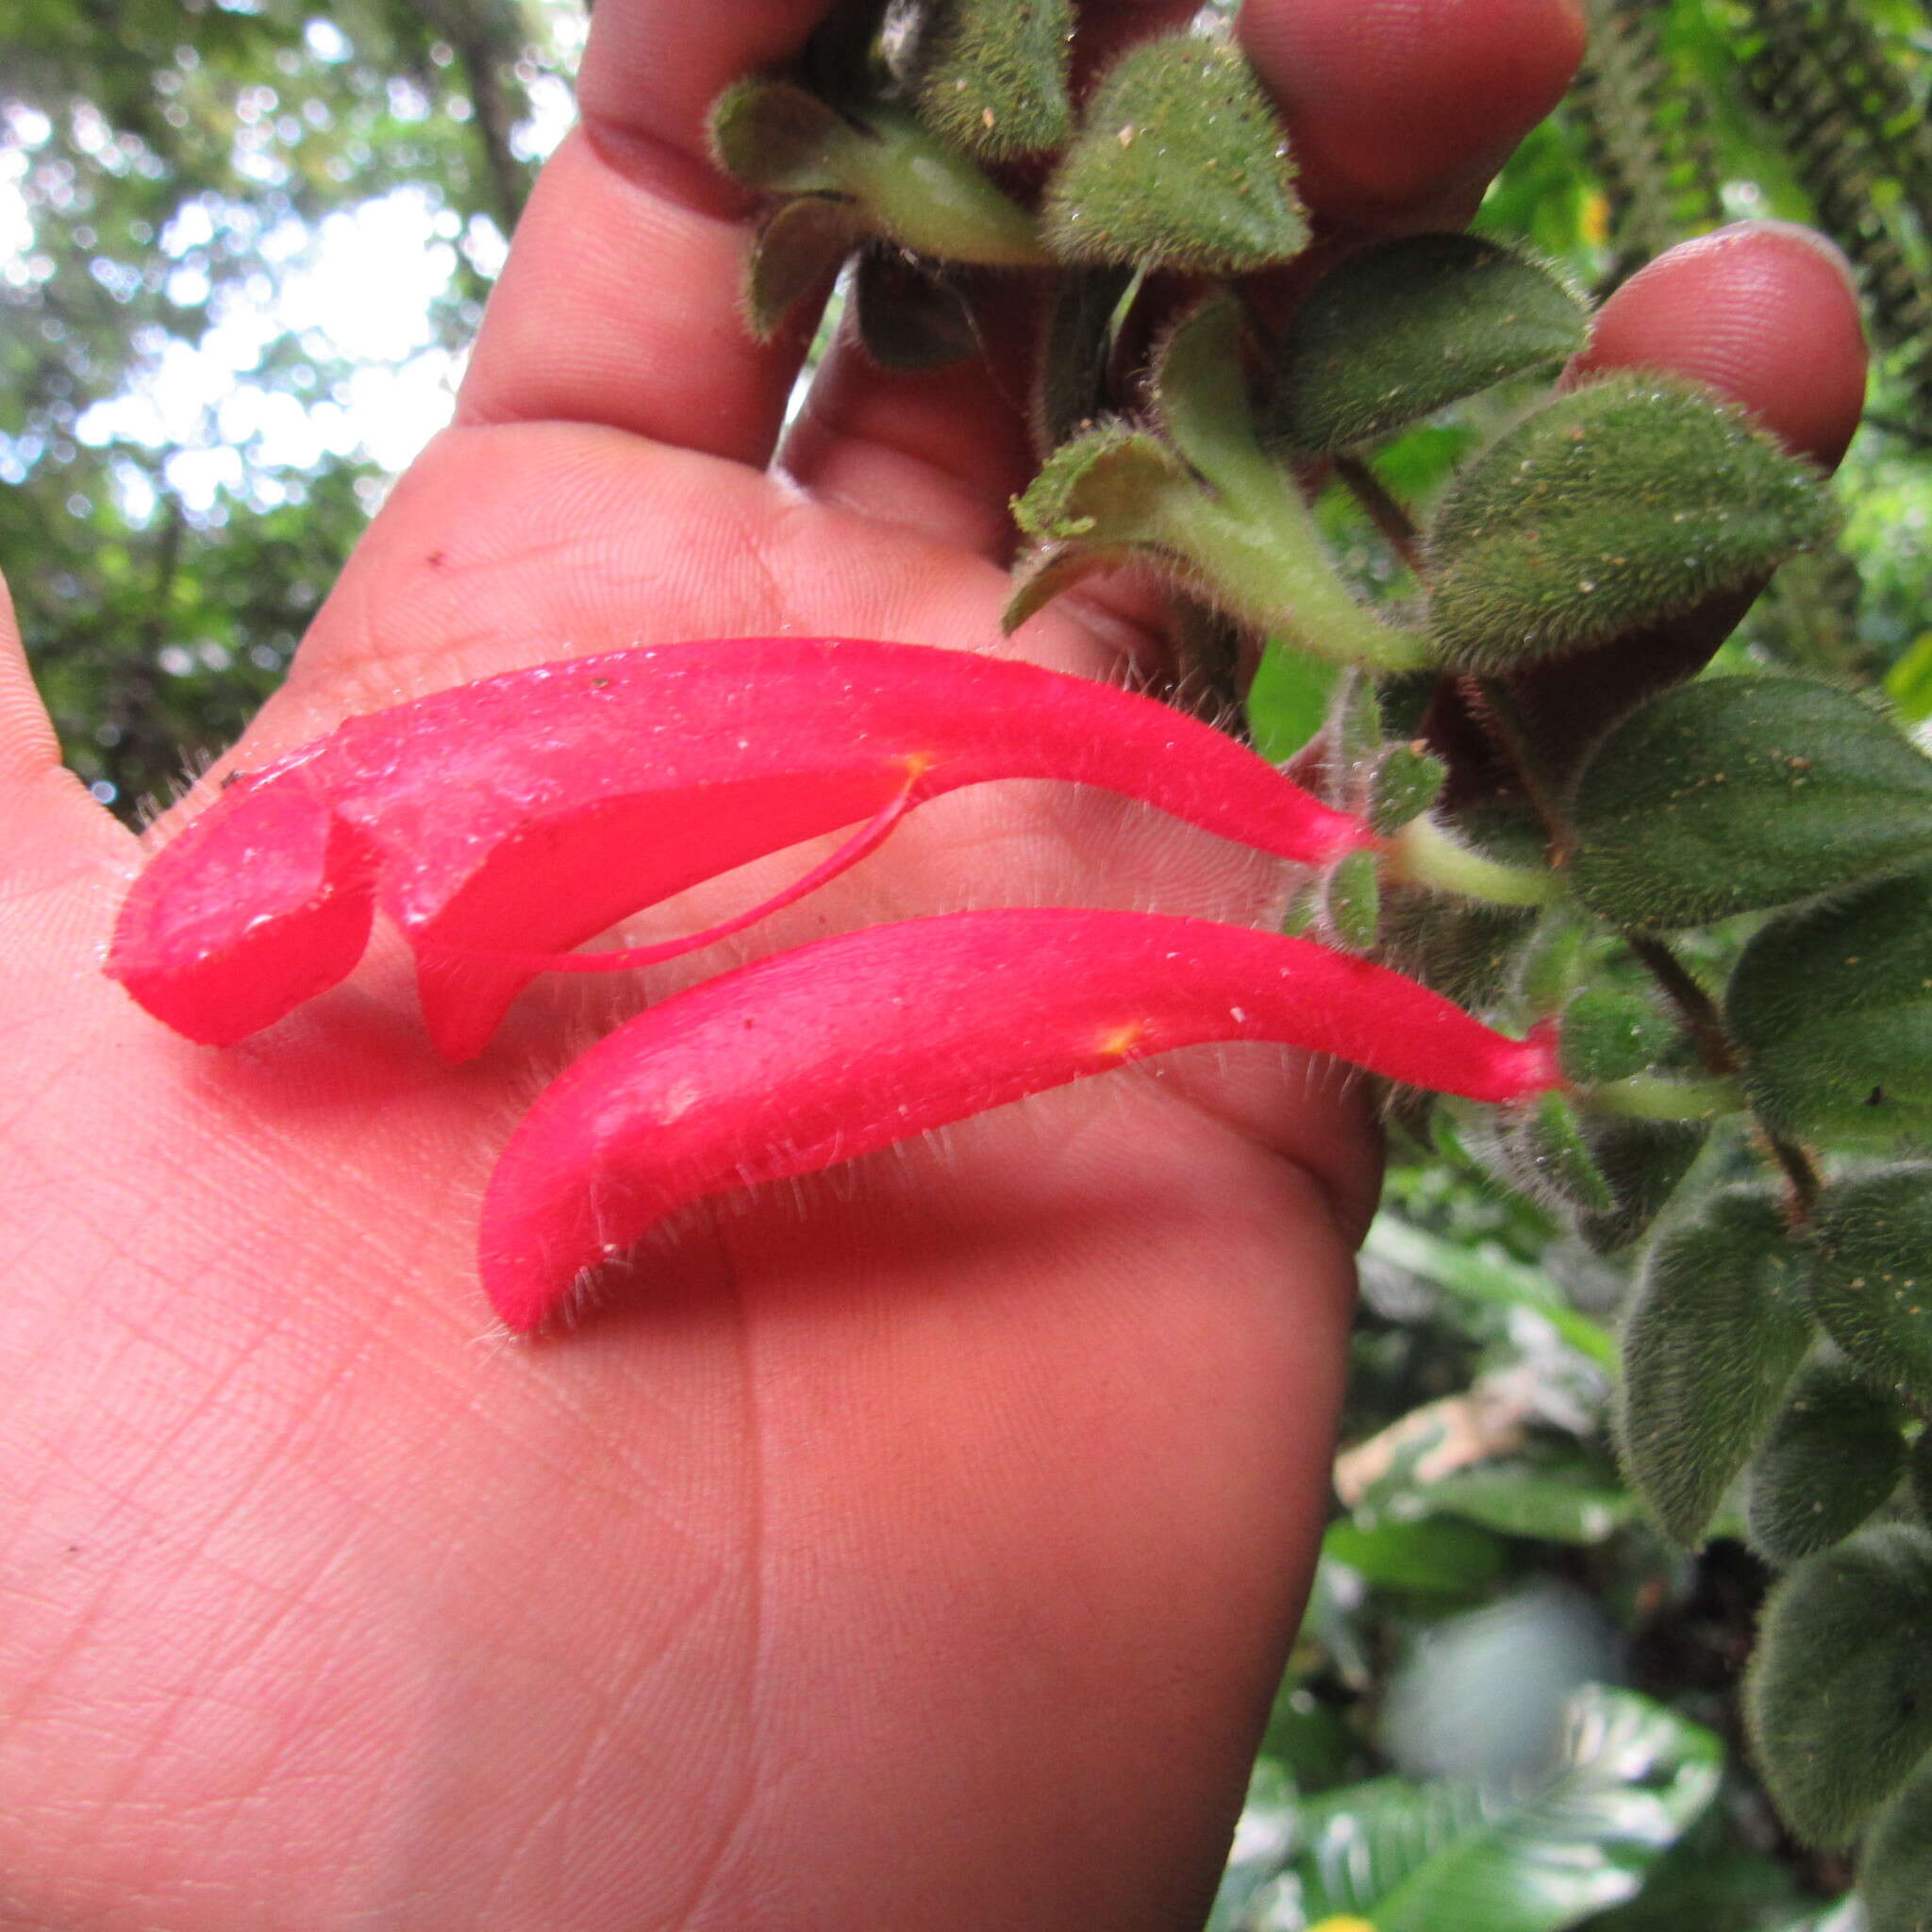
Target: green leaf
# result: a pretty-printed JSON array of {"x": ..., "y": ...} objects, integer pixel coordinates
[
  {"x": 1180, "y": 165},
  {"x": 1895, "y": 1873},
  {"x": 1836, "y": 1695},
  {"x": 995, "y": 79},
  {"x": 1622, "y": 503},
  {"x": 1717, "y": 1329},
  {"x": 1433, "y": 1555},
  {"x": 1071, "y": 386},
  {"x": 1872, "y": 1278},
  {"x": 1641, "y": 1163},
  {"x": 1834, "y": 1453},
  {"x": 1397, "y": 331},
  {"x": 1409, "y": 780},
  {"x": 1744, "y": 792},
  {"x": 1832, "y": 1009},
  {"x": 1200, "y": 389},
  {"x": 1289, "y": 701},
  {"x": 1609, "y": 1035},
  {"x": 1104, "y": 486},
  {"x": 776, "y": 137},
  {"x": 903, "y": 186},
  {"x": 799, "y": 245},
  {"x": 1489, "y": 1278},
  {"x": 1562, "y": 1505},
  {"x": 908, "y": 317},
  {"x": 1545, "y": 1151},
  {"x": 1534, "y": 1855},
  {"x": 1908, "y": 683},
  {"x": 1352, "y": 902}
]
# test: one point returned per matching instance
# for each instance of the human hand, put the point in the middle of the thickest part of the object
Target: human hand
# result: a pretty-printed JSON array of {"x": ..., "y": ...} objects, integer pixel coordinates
[{"x": 915, "y": 1547}]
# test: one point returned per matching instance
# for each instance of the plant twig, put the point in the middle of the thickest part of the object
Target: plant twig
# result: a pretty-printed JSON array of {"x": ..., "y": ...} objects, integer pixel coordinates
[
  {"x": 1705, "y": 1027},
  {"x": 1388, "y": 516}
]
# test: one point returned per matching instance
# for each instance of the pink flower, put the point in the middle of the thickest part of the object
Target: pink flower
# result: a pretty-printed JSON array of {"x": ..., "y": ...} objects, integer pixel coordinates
[{"x": 816, "y": 1056}]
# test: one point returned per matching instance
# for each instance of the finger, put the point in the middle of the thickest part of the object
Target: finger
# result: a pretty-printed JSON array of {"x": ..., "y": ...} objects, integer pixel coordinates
[
  {"x": 620, "y": 302},
  {"x": 1764, "y": 313},
  {"x": 48, "y": 819},
  {"x": 1381, "y": 114},
  {"x": 1400, "y": 110}
]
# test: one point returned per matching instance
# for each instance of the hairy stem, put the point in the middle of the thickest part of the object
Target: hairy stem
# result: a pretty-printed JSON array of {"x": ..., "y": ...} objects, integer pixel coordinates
[{"x": 1425, "y": 853}]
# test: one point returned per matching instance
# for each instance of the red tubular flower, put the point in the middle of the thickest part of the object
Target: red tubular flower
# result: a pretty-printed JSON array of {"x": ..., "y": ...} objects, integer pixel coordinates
[
  {"x": 502, "y": 822},
  {"x": 819, "y": 1054}
]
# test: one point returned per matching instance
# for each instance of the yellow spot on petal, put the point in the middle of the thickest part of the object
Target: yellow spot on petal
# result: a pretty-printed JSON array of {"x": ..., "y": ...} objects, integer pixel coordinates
[{"x": 1118, "y": 1041}]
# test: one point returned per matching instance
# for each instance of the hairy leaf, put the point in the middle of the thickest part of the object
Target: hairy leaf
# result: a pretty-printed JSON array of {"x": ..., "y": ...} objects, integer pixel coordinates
[
  {"x": 1398, "y": 331},
  {"x": 1629, "y": 500},
  {"x": 1744, "y": 792},
  {"x": 1832, "y": 1007},
  {"x": 799, "y": 245},
  {"x": 1180, "y": 165},
  {"x": 995, "y": 76},
  {"x": 1871, "y": 1279},
  {"x": 1715, "y": 1332},
  {"x": 1834, "y": 1453},
  {"x": 1895, "y": 1873},
  {"x": 1836, "y": 1696}
]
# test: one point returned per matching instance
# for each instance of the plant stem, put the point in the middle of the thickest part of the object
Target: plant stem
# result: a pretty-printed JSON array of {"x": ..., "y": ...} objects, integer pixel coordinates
[
  {"x": 1496, "y": 707},
  {"x": 1694, "y": 1006},
  {"x": 1705, "y": 1023},
  {"x": 1264, "y": 561},
  {"x": 1425, "y": 853},
  {"x": 923, "y": 195},
  {"x": 1388, "y": 516},
  {"x": 1659, "y": 1097}
]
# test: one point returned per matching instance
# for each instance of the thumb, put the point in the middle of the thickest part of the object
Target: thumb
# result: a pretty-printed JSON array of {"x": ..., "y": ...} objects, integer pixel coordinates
[{"x": 45, "y": 809}]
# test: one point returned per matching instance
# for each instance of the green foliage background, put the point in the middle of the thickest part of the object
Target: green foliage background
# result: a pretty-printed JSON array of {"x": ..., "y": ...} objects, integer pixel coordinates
[{"x": 1435, "y": 1758}]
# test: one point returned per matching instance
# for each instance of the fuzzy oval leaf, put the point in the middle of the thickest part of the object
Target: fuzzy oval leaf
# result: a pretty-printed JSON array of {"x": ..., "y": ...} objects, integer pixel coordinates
[
  {"x": 1609, "y": 1035},
  {"x": 1832, "y": 1454},
  {"x": 1352, "y": 901},
  {"x": 1103, "y": 487},
  {"x": 1739, "y": 794},
  {"x": 799, "y": 245},
  {"x": 908, "y": 317},
  {"x": 1641, "y": 1163},
  {"x": 1871, "y": 1277},
  {"x": 1409, "y": 780},
  {"x": 1895, "y": 1872},
  {"x": 1629, "y": 500},
  {"x": 1396, "y": 332},
  {"x": 1836, "y": 1696},
  {"x": 777, "y": 137},
  {"x": 1832, "y": 1005},
  {"x": 1717, "y": 1330},
  {"x": 1181, "y": 163},
  {"x": 995, "y": 76}
]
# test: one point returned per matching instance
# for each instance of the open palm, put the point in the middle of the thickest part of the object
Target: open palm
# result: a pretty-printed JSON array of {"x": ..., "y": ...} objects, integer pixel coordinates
[{"x": 916, "y": 1546}]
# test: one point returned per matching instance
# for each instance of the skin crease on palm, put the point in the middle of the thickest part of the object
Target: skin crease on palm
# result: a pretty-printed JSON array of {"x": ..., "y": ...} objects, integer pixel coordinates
[{"x": 915, "y": 1546}]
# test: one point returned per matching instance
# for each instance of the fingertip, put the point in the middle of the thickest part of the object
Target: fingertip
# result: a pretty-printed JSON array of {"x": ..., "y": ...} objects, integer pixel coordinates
[
  {"x": 1403, "y": 107},
  {"x": 28, "y": 745},
  {"x": 1765, "y": 313}
]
